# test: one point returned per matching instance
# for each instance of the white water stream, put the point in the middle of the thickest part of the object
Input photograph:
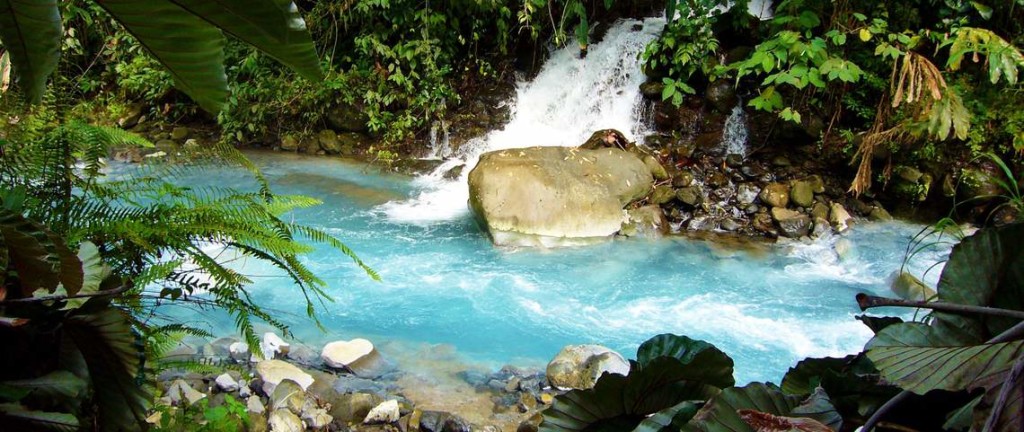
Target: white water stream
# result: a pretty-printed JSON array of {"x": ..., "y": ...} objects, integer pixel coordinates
[{"x": 570, "y": 99}]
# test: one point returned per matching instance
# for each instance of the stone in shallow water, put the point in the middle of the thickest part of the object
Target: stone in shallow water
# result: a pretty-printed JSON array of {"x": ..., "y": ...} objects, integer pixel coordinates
[
  {"x": 356, "y": 355},
  {"x": 226, "y": 383},
  {"x": 283, "y": 420},
  {"x": 272, "y": 372},
  {"x": 579, "y": 366},
  {"x": 386, "y": 412},
  {"x": 180, "y": 391}
]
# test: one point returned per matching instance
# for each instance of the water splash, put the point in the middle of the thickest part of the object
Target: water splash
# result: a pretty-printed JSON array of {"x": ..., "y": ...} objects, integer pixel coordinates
[
  {"x": 734, "y": 137},
  {"x": 440, "y": 143},
  {"x": 568, "y": 100}
]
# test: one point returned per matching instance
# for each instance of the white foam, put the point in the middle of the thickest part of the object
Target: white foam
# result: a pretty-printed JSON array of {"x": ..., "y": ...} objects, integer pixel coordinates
[{"x": 568, "y": 100}]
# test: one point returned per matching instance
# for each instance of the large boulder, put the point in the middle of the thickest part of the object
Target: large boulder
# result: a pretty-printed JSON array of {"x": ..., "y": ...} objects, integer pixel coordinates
[
  {"x": 348, "y": 118},
  {"x": 553, "y": 196},
  {"x": 356, "y": 355},
  {"x": 792, "y": 224},
  {"x": 775, "y": 195},
  {"x": 579, "y": 366},
  {"x": 272, "y": 372}
]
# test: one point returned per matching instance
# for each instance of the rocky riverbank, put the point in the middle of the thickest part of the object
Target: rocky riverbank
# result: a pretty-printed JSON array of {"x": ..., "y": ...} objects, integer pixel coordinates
[{"x": 351, "y": 386}]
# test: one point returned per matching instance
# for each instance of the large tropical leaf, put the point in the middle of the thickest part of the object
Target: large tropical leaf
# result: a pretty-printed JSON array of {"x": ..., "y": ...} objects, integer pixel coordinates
[
  {"x": 713, "y": 365},
  {"x": 113, "y": 355},
  {"x": 191, "y": 49},
  {"x": 621, "y": 402},
  {"x": 852, "y": 383},
  {"x": 669, "y": 419},
  {"x": 763, "y": 402},
  {"x": 31, "y": 31},
  {"x": 909, "y": 355},
  {"x": 55, "y": 387},
  {"x": 33, "y": 253},
  {"x": 987, "y": 269},
  {"x": 20, "y": 418},
  {"x": 272, "y": 26}
]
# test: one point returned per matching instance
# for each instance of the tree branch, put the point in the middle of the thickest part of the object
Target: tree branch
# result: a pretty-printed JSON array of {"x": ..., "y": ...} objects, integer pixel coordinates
[{"x": 866, "y": 302}]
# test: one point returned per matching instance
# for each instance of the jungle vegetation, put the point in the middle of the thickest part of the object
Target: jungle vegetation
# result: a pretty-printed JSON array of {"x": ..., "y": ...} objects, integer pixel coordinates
[{"x": 85, "y": 260}]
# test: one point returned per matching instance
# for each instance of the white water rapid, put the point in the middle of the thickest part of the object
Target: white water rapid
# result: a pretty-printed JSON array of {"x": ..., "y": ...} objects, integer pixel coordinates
[
  {"x": 570, "y": 99},
  {"x": 734, "y": 137}
]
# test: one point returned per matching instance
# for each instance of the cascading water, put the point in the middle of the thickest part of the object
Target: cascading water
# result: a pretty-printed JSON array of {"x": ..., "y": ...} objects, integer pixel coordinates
[
  {"x": 568, "y": 100},
  {"x": 734, "y": 137},
  {"x": 440, "y": 145}
]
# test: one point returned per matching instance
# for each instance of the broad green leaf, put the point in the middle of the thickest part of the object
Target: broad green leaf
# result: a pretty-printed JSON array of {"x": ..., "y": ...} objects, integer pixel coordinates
[
  {"x": 621, "y": 402},
  {"x": 987, "y": 269},
  {"x": 20, "y": 418},
  {"x": 865, "y": 35},
  {"x": 30, "y": 252},
  {"x": 56, "y": 387},
  {"x": 113, "y": 355},
  {"x": 806, "y": 376},
  {"x": 31, "y": 31},
  {"x": 917, "y": 359},
  {"x": 94, "y": 272},
  {"x": 668, "y": 419},
  {"x": 191, "y": 49},
  {"x": 273, "y": 26},
  {"x": 707, "y": 363},
  {"x": 721, "y": 413}
]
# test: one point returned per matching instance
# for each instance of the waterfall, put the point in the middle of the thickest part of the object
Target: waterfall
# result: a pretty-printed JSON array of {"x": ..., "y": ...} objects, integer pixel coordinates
[
  {"x": 568, "y": 100},
  {"x": 440, "y": 146},
  {"x": 734, "y": 137}
]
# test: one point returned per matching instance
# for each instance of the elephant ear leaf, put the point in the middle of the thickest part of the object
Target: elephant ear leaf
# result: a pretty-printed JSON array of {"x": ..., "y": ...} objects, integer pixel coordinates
[
  {"x": 273, "y": 26},
  {"x": 622, "y": 402},
  {"x": 113, "y": 355},
  {"x": 30, "y": 31},
  {"x": 987, "y": 269},
  {"x": 713, "y": 365},
  {"x": 759, "y": 407},
  {"x": 18, "y": 417},
  {"x": 191, "y": 49}
]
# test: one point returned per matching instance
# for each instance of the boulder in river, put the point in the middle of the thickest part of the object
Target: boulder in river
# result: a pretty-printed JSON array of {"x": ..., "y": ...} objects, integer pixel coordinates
[
  {"x": 555, "y": 196},
  {"x": 579, "y": 366},
  {"x": 356, "y": 355},
  {"x": 792, "y": 224},
  {"x": 775, "y": 195},
  {"x": 272, "y": 372}
]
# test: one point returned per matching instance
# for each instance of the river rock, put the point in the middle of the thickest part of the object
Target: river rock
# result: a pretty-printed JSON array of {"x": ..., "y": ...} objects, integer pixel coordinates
[
  {"x": 579, "y": 366},
  {"x": 315, "y": 417},
  {"x": 839, "y": 217},
  {"x": 356, "y": 355},
  {"x": 283, "y": 420},
  {"x": 683, "y": 179},
  {"x": 287, "y": 395},
  {"x": 662, "y": 194},
  {"x": 272, "y": 372},
  {"x": 721, "y": 94},
  {"x": 657, "y": 170},
  {"x": 386, "y": 412},
  {"x": 328, "y": 141},
  {"x": 226, "y": 383},
  {"x": 553, "y": 196},
  {"x": 348, "y": 118},
  {"x": 439, "y": 421},
  {"x": 792, "y": 224},
  {"x": 289, "y": 143},
  {"x": 819, "y": 211},
  {"x": 647, "y": 221},
  {"x": 179, "y": 133},
  {"x": 879, "y": 214},
  {"x": 131, "y": 117},
  {"x": 652, "y": 90},
  {"x": 801, "y": 193},
  {"x": 253, "y": 405},
  {"x": 353, "y": 384},
  {"x": 271, "y": 346},
  {"x": 775, "y": 195},
  {"x": 691, "y": 196},
  {"x": 909, "y": 287},
  {"x": 179, "y": 391},
  {"x": 353, "y": 407}
]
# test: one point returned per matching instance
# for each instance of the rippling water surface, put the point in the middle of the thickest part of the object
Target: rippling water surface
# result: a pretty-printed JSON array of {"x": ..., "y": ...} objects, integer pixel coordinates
[{"x": 445, "y": 284}]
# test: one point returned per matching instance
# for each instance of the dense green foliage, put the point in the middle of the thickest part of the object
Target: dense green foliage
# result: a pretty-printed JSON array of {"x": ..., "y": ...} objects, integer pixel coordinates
[{"x": 927, "y": 78}]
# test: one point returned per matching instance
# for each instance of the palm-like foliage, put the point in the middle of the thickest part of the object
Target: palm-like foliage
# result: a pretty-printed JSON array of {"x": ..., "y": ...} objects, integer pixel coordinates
[{"x": 186, "y": 36}]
